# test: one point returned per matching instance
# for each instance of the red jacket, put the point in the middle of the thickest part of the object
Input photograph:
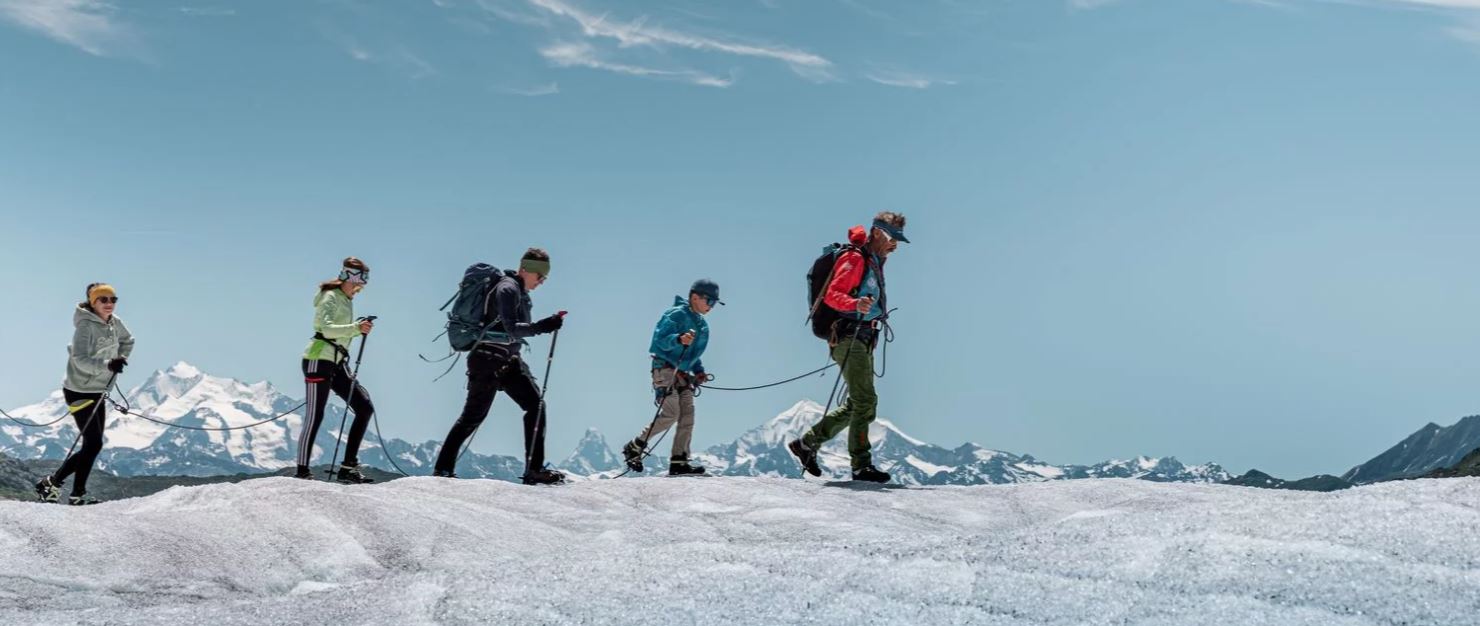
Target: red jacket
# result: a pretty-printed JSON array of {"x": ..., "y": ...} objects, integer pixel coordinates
[{"x": 847, "y": 274}]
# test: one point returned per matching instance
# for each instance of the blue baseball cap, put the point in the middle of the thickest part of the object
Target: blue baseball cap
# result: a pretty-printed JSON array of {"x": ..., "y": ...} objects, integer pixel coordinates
[
  {"x": 706, "y": 288},
  {"x": 896, "y": 234}
]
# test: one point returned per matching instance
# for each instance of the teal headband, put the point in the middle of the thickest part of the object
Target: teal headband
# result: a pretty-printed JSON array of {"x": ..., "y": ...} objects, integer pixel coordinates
[{"x": 535, "y": 267}]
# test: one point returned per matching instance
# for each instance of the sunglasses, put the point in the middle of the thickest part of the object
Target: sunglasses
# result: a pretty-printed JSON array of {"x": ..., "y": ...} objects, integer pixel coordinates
[
  {"x": 711, "y": 301},
  {"x": 108, "y": 300}
]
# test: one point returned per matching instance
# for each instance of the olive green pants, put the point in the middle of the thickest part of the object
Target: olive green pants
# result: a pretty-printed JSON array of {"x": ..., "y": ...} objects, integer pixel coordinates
[{"x": 858, "y": 410}]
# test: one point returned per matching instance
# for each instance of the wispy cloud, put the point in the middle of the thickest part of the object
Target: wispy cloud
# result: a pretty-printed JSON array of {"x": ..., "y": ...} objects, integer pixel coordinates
[
  {"x": 1085, "y": 5},
  {"x": 638, "y": 33},
  {"x": 519, "y": 13},
  {"x": 580, "y": 54},
  {"x": 1468, "y": 32},
  {"x": 546, "y": 89},
  {"x": 87, "y": 25},
  {"x": 903, "y": 78},
  {"x": 208, "y": 11},
  {"x": 396, "y": 57}
]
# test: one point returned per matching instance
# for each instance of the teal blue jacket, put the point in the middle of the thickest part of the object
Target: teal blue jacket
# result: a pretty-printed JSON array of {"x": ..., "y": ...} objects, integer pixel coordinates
[{"x": 666, "y": 348}]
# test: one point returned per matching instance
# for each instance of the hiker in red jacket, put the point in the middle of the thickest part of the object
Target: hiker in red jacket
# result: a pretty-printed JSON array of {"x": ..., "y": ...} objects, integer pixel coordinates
[{"x": 856, "y": 292}]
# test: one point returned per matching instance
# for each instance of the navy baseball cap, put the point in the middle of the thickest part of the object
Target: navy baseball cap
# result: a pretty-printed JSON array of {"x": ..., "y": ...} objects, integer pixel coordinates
[
  {"x": 706, "y": 288},
  {"x": 896, "y": 234}
]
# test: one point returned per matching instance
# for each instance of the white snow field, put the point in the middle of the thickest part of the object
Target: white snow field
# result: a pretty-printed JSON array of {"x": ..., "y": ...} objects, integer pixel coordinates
[{"x": 747, "y": 551}]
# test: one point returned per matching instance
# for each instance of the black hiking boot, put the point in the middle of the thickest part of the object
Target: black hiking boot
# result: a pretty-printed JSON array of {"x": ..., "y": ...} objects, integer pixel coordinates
[
  {"x": 806, "y": 456},
  {"x": 871, "y": 474},
  {"x": 351, "y": 475},
  {"x": 632, "y": 453},
  {"x": 47, "y": 491},
  {"x": 544, "y": 477},
  {"x": 444, "y": 474},
  {"x": 304, "y": 472},
  {"x": 82, "y": 500},
  {"x": 682, "y": 468}
]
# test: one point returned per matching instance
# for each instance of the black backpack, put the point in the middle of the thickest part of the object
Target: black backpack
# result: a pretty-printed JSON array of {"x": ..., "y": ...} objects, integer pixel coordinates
[
  {"x": 819, "y": 313},
  {"x": 465, "y": 325}
]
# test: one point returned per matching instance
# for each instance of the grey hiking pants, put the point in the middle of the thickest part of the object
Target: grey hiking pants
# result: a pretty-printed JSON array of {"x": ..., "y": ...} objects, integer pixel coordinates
[{"x": 676, "y": 407}]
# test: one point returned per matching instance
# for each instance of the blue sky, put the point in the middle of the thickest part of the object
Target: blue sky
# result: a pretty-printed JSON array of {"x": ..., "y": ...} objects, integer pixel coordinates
[{"x": 1228, "y": 231}]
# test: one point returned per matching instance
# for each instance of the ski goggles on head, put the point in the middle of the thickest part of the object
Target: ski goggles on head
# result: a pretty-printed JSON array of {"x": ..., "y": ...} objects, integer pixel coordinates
[
  {"x": 890, "y": 232},
  {"x": 354, "y": 276}
]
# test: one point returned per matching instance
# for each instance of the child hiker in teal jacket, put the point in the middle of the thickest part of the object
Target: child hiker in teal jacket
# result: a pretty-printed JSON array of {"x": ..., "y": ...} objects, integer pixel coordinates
[{"x": 678, "y": 347}]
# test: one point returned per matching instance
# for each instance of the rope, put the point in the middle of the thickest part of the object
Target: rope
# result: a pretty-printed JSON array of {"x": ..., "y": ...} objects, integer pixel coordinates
[
  {"x": 383, "y": 449},
  {"x": 125, "y": 409},
  {"x": 775, "y": 384},
  {"x": 888, "y": 339},
  {"x": 652, "y": 447},
  {"x": 34, "y": 425},
  {"x": 449, "y": 367},
  {"x": 648, "y": 450}
]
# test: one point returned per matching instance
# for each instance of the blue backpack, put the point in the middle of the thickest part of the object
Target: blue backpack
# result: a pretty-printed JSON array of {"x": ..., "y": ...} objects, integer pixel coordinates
[{"x": 465, "y": 327}]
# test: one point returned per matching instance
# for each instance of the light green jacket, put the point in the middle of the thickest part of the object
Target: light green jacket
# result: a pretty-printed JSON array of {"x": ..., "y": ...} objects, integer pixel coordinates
[
  {"x": 94, "y": 343},
  {"x": 334, "y": 318}
]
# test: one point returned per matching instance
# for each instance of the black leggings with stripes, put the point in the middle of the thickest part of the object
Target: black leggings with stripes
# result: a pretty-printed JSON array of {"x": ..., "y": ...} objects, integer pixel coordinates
[{"x": 322, "y": 377}]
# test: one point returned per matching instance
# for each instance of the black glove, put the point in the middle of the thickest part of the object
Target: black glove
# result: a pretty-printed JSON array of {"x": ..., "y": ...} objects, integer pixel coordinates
[
  {"x": 115, "y": 365},
  {"x": 549, "y": 324}
]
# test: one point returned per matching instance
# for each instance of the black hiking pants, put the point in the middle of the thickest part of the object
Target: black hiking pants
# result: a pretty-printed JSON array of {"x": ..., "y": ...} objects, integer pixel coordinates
[
  {"x": 89, "y": 418},
  {"x": 494, "y": 368}
]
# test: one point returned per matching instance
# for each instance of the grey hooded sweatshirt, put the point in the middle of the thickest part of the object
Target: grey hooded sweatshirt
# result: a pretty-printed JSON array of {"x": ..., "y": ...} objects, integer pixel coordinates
[{"x": 94, "y": 343}]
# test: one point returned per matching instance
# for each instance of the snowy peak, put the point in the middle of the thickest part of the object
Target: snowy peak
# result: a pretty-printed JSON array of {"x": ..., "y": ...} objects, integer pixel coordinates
[
  {"x": 182, "y": 369},
  {"x": 762, "y": 452},
  {"x": 1165, "y": 469},
  {"x": 790, "y": 424},
  {"x": 170, "y": 383},
  {"x": 183, "y": 389},
  {"x": 592, "y": 455}
]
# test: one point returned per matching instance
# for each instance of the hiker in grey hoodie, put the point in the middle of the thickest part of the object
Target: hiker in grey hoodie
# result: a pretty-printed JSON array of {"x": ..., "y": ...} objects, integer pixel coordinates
[{"x": 99, "y": 351}]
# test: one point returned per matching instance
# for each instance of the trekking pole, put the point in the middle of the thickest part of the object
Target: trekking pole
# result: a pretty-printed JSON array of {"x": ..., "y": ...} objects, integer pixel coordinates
[
  {"x": 93, "y": 415},
  {"x": 544, "y": 386},
  {"x": 550, "y": 360},
  {"x": 354, "y": 376},
  {"x": 673, "y": 384}
]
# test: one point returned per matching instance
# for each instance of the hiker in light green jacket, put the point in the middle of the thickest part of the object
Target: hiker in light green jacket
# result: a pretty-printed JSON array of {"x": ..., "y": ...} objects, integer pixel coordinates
[
  {"x": 100, "y": 348},
  {"x": 326, "y": 368}
]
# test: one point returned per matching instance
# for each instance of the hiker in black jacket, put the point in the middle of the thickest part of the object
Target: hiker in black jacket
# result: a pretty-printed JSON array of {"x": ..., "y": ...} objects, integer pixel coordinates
[{"x": 495, "y": 364}]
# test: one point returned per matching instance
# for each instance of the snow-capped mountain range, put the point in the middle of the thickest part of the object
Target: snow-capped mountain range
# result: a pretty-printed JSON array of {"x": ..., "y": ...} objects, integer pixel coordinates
[{"x": 184, "y": 395}]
